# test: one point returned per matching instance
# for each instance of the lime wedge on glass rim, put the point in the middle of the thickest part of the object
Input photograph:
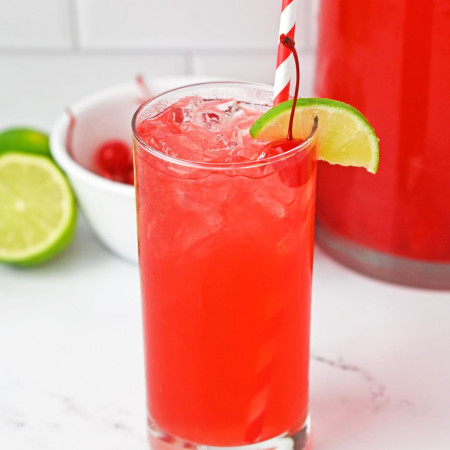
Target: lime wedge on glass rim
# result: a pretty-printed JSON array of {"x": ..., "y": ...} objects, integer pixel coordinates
[
  {"x": 344, "y": 136},
  {"x": 37, "y": 209}
]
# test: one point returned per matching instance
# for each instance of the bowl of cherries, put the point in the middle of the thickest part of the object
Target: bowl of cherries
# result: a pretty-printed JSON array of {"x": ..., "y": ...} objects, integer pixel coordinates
[{"x": 91, "y": 141}]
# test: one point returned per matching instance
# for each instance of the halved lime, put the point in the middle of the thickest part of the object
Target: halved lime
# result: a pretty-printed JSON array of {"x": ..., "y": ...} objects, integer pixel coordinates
[
  {"x": 37, "y": 209},
  {"x": 344, "y": 136},
  {"x": 26, "y": 140}
]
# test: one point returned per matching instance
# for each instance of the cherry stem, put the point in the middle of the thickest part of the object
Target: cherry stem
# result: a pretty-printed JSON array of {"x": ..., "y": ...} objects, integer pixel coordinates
[
  {"x": 70, "y": 128},
  {"x": 290, "y": 44},
  {"x": 143, "y": 87}
]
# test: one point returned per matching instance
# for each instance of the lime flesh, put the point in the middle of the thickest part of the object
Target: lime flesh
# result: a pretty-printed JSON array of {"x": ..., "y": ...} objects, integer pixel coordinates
[
  {"x": 37, "y": 209},
  {"x": 344, "y": 136}
]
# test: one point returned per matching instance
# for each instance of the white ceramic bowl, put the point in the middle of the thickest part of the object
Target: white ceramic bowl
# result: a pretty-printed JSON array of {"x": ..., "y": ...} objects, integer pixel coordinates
[{"x": 108, "y": 206}]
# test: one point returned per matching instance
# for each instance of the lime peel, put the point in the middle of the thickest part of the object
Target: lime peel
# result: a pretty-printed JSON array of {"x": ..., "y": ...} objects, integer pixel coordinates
[{"x": 28, "y": 140}]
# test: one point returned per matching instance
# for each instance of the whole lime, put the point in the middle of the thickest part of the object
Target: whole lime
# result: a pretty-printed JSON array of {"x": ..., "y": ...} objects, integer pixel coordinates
[{"x": 27, "y": 140}]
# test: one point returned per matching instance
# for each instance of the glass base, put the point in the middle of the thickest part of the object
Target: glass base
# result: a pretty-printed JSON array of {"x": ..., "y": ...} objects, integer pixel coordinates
[
  {"x": 160, "y": 440},
  {"x": 386, "y": 267}
]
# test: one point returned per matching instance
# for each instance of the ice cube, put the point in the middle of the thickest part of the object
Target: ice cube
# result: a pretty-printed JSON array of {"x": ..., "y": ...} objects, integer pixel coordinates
[
  {"x": 184, "y": 109},
  {"x": 229, "y": 107},
  {"x": 220, "y": 141},
  {"x": 210, "y": 120},
  {"x": 181, "y": 115},
  {"x": 211, "y": 117}
]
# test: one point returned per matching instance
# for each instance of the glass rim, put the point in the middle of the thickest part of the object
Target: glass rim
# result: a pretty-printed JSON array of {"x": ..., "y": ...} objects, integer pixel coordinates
[{"x": 214, "y": 165}]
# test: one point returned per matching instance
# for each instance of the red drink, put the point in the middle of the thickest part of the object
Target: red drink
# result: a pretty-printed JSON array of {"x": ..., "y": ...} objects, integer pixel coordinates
[
  {"x": 226, "y": 230},
  {"x": 390, "y": 59}
]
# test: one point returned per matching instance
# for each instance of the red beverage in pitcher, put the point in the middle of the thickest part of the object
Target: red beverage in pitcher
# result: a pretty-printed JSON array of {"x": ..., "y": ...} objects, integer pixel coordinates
[
  {"x": 226, "y": 228},
  {"x": 391, "y": 60}
]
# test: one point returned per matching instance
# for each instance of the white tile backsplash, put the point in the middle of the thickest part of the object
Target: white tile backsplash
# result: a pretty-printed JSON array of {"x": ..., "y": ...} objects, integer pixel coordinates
[
  {"x": 57, "y": 51},
  {"x": 35, "y": 24},
  {"x": 54, "y": 80},
  {"x": 307, "y": 67},
  {"x": 181, "y": 24},
  {"x": 256, "y": 66}
]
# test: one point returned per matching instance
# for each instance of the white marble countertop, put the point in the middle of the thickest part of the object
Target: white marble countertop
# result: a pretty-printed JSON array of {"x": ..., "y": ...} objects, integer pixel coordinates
[{"x": 72, "y": 372}]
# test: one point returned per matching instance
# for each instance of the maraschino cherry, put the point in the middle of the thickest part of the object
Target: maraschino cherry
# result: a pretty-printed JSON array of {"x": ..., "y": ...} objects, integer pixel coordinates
[{"x": 114, "y": 160}]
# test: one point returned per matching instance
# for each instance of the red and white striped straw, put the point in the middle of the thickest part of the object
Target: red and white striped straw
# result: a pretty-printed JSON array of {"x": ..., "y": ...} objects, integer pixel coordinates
[{"x": 284, "y": 59}]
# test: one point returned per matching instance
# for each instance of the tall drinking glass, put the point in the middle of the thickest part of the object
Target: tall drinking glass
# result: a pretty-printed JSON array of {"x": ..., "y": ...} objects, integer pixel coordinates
[{"x": 225, "y": 253}]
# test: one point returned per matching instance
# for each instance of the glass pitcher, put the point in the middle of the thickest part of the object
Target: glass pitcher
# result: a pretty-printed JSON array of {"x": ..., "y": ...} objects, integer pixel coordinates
[{"x": 391, "y": 60}]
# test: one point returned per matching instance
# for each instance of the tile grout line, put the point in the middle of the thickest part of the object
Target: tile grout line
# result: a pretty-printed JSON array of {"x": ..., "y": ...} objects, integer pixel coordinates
[{"x": 187, "y": 54}]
